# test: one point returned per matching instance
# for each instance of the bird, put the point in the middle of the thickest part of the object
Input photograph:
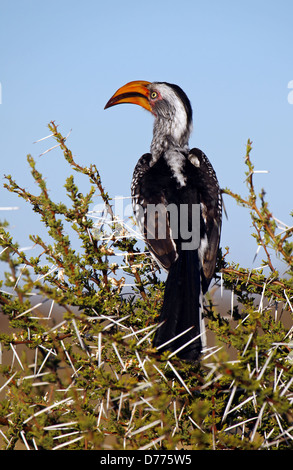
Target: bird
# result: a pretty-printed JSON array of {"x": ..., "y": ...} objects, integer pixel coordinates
[{"x": 177, "y": 203}]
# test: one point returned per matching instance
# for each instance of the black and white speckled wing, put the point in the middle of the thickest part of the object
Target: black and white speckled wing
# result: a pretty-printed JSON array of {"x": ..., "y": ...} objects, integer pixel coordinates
[
  {"x": 211, "y": 211},
  {"x": 146, "y": 192}
]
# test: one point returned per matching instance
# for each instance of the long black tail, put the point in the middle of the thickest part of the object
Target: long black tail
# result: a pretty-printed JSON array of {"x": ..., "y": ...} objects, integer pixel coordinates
[{"x": 181, "y": 307}]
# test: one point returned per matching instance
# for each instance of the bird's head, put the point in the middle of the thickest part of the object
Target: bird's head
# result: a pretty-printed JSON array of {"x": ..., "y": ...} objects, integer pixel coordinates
[{"x": 167, "y": 102}]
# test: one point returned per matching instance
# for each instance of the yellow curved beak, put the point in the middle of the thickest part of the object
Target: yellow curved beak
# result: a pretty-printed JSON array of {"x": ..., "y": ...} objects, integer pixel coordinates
[{"x": 135, "y": 92}]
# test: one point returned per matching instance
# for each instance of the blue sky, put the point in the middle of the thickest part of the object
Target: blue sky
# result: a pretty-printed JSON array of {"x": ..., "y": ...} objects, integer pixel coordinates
[{"x": 62, "y": 60}]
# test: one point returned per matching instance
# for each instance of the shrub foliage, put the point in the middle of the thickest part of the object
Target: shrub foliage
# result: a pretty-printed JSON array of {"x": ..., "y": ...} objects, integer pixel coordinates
[{"x": 78, "y": 370}]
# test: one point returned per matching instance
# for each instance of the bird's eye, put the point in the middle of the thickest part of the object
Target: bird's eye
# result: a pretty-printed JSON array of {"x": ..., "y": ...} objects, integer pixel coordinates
[{"x": 154, "y": 95}]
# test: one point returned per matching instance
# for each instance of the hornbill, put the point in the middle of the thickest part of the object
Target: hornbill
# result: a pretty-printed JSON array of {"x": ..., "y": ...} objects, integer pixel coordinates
[{"x": 179, "y": 184}]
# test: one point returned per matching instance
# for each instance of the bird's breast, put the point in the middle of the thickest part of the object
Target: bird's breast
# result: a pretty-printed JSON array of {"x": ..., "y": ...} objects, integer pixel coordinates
[{"x": 176, "y": 162}]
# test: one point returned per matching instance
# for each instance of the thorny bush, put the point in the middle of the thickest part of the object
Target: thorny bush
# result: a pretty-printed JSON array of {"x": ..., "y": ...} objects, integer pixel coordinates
[{"x": 78, "y": 370}]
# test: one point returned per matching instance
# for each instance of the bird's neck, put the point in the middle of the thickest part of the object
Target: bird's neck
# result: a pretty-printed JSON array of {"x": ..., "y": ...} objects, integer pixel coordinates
[{"x": 169, "y": 136}]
